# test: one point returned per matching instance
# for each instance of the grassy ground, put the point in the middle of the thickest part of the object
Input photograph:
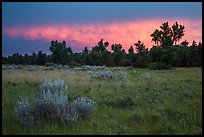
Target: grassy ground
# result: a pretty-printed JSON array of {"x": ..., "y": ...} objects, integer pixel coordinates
[{"x": 169, "y": 102}]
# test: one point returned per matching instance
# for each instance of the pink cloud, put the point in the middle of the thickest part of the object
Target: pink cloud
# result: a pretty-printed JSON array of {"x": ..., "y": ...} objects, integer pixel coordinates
[{"x": 125, "y": 33}]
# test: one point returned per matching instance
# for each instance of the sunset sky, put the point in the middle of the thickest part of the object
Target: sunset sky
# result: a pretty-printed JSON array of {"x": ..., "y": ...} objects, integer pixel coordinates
[{"x": 31, "y": 26}]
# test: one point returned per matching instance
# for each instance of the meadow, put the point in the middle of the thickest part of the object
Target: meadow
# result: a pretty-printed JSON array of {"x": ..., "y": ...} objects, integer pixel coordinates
[{"x": 148, "y": 102}]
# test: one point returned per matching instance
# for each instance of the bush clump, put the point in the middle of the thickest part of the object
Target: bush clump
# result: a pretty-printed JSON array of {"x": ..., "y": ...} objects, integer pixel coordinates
[
  {"x": 146, "y": 76},
  {"x": 84, "y": 106},
  {"x": 107, "y": 74},
  {"x": 52, "y": 104}
]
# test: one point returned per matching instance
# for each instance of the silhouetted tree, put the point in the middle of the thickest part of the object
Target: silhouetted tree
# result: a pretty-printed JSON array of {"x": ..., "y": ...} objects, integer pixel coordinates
[
  {"x": 195, "y": 54},
  {"x": 33, "y": 58},
  {"x": 184, "y": 43},
  {"x": 41, "y": 58},
  {"x": 156, "y": 53},
  {"x": 60, "y": 53},
  {"x": 118, "y": 54},
  {"x": 143, "y": 57},
  {"x": 84, "y": 56},
  {"x": 131, "y": 56},
  {"x": 168, "y": 35},
  {"x": 156, "y": 37},
  {"x": 177, "y": 32},
  {"x": 140, "y": 48},
  {"x": 98, "y": 54}
]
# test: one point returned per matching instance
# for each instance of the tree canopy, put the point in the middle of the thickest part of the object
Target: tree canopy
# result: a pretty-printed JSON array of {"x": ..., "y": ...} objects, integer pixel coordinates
[{"x": 168, "y": 35}]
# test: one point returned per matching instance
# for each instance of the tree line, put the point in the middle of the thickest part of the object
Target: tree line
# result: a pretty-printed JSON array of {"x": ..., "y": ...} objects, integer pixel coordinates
[{"x": 166, "y": 53}]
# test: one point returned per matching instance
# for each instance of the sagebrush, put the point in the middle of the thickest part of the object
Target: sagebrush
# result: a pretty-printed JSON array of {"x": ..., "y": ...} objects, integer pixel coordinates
[{"x": 52, "y": 104}]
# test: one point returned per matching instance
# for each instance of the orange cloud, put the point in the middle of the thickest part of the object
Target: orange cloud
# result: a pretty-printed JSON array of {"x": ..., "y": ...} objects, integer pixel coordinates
[{"x": 125, "y": 33}]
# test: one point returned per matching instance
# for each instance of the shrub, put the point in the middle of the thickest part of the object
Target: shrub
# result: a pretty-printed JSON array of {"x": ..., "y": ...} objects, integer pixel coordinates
[
  {"x": 146, "y": 76},
  {"x": 49, "y": 68},
  {"x": 87, "y": 67},
  {"x": 10, "y": 67},
  {"x": 107, "y": 74},
  {"x": 121, "y": 76},
  {"x": 52, "y": 86},
  {"x": 49, "y": 64},
  {"x": 52, "y": 104},
  {"x": 84, "y": 106},
  {"x": 31, "y": 68},
  {"x": 24, "y": 112}
]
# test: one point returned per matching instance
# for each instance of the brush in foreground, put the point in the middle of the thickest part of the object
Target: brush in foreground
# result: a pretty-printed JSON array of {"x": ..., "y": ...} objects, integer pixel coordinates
[{"x": 52, "y": 104}]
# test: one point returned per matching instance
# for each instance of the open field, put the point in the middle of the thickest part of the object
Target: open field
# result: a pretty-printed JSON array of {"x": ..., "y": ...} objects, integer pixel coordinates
[{"x": 165, "y": 102}]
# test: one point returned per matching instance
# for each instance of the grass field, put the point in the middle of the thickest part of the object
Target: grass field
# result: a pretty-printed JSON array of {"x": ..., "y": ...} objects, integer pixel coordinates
[{"x": 168, "y": 102}]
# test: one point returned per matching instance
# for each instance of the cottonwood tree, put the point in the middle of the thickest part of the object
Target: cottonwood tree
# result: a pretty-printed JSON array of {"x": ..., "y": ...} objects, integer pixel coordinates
[
  {"x": 168, "y": 35},
  {"x": 60, "y": 52},
  {"x": 143, "y": 57}
]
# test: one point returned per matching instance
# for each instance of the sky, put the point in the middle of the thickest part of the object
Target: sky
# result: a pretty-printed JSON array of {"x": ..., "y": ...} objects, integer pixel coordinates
[{"x": 31, "y": 26}]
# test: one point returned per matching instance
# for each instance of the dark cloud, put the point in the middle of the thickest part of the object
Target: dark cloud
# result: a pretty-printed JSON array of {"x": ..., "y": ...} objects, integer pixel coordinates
[{"x": 29, "y": 13}]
